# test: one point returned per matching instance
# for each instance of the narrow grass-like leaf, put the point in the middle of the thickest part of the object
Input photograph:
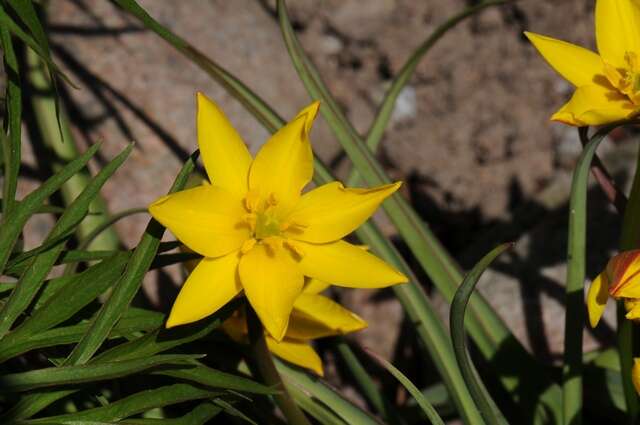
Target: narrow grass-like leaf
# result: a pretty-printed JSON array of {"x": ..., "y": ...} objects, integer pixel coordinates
[
  {"x": 18, "y": 264},
  {"x": 422, "y": 401},
  {"x": 13, "y": 223},
  {"x": 314, "y": 408},
  {"x": 486, "y": 405},
  {"x": 40, "y": 266},
  {"x": 131, "y": 322},
  {"x": 165, "y": 339},
  {"x": 203, "y": 375},
  {"x": 134, "y": 404},
  {"x": 198, "y": 416},
  {"x": 69, "y": 375},
  {"x": 230, "y": 410},
  {"x": 73, "y": 297},
  {"x": 576, "y": 258},
  {"x": 7, "y": 22},
  {"x": 294, "y": 377},
  {"x": 127, "y": 286},
  {"x": 11, "y": 145}
]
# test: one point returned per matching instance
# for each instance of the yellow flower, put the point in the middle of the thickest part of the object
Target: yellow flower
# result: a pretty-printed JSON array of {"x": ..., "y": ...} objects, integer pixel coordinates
[
  {"x": 608, "y": 84},
  {"x": 258, "y": 233},
  {"x": 619, "y": 280},
  {"x": 313, "y": 316}
]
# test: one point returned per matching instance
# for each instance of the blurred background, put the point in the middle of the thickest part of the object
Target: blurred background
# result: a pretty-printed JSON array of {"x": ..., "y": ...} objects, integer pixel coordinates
[{"x": 470, "y": 135}]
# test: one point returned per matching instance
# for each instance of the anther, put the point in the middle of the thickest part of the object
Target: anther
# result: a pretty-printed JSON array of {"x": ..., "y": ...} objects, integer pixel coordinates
[{"x": 247, "y": 246}]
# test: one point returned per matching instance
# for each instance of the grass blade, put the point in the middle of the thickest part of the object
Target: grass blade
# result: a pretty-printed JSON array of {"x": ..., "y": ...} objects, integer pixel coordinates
[
  {"x": 69, "y": 375},
  {"x": 40, "y": 266},
  {"x": 134, "y": 404},
  {"x": 422, "y": 401},
  {"x": 13, "y": 121},
  {"x": 127, "y": 286},
  {"x": 486, "y": 405}
]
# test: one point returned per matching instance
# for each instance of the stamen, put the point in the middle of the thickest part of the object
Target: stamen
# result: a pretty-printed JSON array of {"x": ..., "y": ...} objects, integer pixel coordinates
[
  {"x": 272, "y": 243},
  {"x": 250, "y": 219},
  {"x": 247, "y": 246},
  {"x": 295, "y": 247},
  {"x": 252, "y": 200}
]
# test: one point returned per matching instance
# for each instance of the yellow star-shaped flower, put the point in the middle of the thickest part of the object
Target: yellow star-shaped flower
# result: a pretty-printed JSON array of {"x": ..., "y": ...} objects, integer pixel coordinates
[
  {"x": 313, "y": 316},
  {"x": 256, "y": 230},
  {"x": 608, "y": 84}
]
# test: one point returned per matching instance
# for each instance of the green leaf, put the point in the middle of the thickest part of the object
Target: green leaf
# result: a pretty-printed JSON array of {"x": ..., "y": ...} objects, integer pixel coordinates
[
  {"x": 296, "y": 381},
  {"x": 165, "y": 339},
  {"x": 11, "y": 145},
  {"x": 131, "y": 322},
  {"x": 72, "y": 297},
  {"x": 127, "y": 286},
  {"x": 134, "y": 404},
  {"x": 12, "y": 223},
  {"x": 38, "y": 269},
  {"x": 486, "y": 405},
  {"x": 18, "y": 264},
  {"x": 576, "y": 258},
  {"x": 68, "y": 375},
  {"x": 203, "y": 375},
  {"x": 198, "y": 416},
  {"x": 422, "y": 401}
]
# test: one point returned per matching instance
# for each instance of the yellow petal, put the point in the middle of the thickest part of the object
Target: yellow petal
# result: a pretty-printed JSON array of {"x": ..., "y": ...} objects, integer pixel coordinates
[
  {"x": 623, "y": 272},
  {"x": 633, "y": 309},
  {"x": 576, "y": 64},
  {"x": 595, "y": 104},
  {"x": 635, "y": 374},
  {"x": 617, "y": 29},
  {"x": 332, "y": 211},
  {"x": 348, "y": 265},
  {"x": 224, "y": 154},
  {"x": 284, "y": 165},
  {"x": 272, "y": 281},
  {"x": 297, "y": 352},
  {"x": 315, "y": 286},
  {"x": 327, "y": 312},
  {"x": 207, "y": 219},
  {"x": 212, "y": 284},
  {"x": 597, "y": 298}
]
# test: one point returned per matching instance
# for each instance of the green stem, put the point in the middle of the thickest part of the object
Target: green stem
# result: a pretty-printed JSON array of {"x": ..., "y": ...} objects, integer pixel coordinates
[
  {"x": 630, "y": 240},
  {"x": 268, "y": 371}
]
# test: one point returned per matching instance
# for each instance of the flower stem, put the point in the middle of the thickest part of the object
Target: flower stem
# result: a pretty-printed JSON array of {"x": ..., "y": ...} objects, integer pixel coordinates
[{"x": 268, "y": 372}]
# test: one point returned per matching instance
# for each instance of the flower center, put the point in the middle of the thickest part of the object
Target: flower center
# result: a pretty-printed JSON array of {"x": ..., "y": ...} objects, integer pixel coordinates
[
  {"x": 267, "y": 224},
  {"x": 626, "y": 79}
]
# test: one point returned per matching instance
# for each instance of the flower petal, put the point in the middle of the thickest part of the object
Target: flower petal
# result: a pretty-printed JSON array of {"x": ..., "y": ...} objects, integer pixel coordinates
[
  {"x": 272, "y": 281},
  {"x": 633, "y": 308},
  {"x": 212, "y": 284},
  {"x": 297, "y": 352},
  {"x": 207, "y": 219},
  {"x": 315, "y": 286},
  {"x": 327, "y": 312},
  {"x": 597, "y": 298},
  {"x": 635, "y": 374},
  {"x": 617, "y": 29},
  {"x": 595, "y": 104},
  {"x": 576, "y": 64},
  {"x": 284, "y": 165},
  {"x": 348, "y": 265},
  {"x": 331, "y": 211},
  {"x": 225, "y": 156},
  {"x": 623, "y": 272}
]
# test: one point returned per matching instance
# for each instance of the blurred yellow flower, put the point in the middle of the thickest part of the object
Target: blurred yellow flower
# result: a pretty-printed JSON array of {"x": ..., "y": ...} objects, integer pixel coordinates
[
  {"x": 313, "y": 316},
  {"x": 258, "y": 233},
  {"x": 619, "y": 280},
  {"x": 608, "y": 84}
]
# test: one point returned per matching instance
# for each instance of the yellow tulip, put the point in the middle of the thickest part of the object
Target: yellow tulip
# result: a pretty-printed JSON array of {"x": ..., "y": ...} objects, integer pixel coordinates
[
  {"x": 619, "y": 280},
  {"x": 313, "y": 316},
  {"x": 258, "y": 233},
  {"x": 607, "y": 84}
]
